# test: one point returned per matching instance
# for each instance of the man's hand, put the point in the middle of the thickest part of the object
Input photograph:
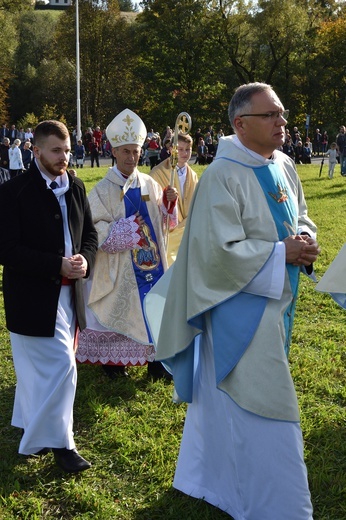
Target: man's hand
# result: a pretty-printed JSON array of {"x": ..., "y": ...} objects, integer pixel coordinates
[
  {"x": 301, "y": 250},
  {"x": 139, "y": 220},
  {"x": 74, "y": 267},
  {"x": 171, "y": 193}
]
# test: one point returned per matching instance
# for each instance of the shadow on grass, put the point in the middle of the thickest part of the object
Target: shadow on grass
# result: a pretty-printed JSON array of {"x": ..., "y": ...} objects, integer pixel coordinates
[
  {"x": 93, "y": 383},
  {"x": 174, "y": 505},
  {"x": 326, "y": 463}
]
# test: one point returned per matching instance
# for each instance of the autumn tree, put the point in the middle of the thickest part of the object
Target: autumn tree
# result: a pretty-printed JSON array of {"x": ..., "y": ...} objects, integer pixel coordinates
[
  {"x": 31, "y": 87},
  {"x": 106, "y": 58},
  {"x": 179, "y": 62}
]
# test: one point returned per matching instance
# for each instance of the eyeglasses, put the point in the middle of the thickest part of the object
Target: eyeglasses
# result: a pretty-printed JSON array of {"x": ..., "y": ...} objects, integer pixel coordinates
[{"x": 270, "y": 115}]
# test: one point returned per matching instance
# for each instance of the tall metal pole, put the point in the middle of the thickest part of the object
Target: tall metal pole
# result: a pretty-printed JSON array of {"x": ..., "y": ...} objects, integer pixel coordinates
[{"x": 79, "y": 130}]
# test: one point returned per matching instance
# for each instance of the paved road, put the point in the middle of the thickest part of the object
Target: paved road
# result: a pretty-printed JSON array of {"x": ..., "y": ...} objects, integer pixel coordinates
[{"x": 107, "y": 161}]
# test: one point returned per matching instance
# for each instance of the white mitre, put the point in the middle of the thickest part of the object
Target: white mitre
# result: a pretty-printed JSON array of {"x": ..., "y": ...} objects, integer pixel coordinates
[{"x": 126, "y": 128}]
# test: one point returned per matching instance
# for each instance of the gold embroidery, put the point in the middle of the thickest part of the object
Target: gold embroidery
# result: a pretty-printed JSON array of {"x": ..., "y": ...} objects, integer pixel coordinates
[
  {"x": 128, "y": 135},
  {"x": 281, "y": 195}
]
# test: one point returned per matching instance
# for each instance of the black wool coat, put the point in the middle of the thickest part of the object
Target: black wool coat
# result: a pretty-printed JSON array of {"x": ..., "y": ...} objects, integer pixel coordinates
[{"x": 32, "y": 247}]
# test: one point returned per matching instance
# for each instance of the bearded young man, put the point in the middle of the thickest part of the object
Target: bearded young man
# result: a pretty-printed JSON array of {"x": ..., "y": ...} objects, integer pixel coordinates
[{"x": 47, "y": 245}]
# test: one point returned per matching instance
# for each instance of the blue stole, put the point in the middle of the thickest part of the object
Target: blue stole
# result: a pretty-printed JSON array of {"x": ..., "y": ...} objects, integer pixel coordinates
[
  {"x": 146, "y": 261},
  {"x": 281, "y": 204},
  {"x": 235, "y": 321}
]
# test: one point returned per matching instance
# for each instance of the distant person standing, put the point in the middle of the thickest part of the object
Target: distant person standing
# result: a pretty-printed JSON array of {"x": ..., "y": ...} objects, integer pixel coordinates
[
  {"x": 202, "y": 152},
  {"x": 317, "y": 142},
  {"x": 324, "y": 141},
  {"x": 94, "y": 152},
  {"x": 220, "y": 134},
  {"x": 306, "y": 153},
  {"x": 21, "y": 136},
  {"x": 16, "y": 165},
  {"x": 13, "y": 134},
  {"x": 27, "y": 155},
  {"x": 198, "y": 136},
  {"x": 28, "y": 135},
  {"x": 153, "y": 151},
  {"x": 331, "y": 153},
  {"x": 79, "y": 153},
  {"x": 166, "y": 150},
  {"x": 341, "y": 147},
  {"x": 4, "y": 132},
  {"x": 98, "y": 137},
  {"x": 4, "y": 151}
]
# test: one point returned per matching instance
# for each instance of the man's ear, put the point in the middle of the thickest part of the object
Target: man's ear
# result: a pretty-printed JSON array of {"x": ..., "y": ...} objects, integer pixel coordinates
[
  {"x": 238, "y": 125},
  {"x": 36, "y": 151}
]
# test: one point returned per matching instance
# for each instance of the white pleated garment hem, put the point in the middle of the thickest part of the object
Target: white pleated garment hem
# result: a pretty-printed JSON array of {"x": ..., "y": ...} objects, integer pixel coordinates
[
  {"x": 46, "y": 383},
  {"x": 248, "y": 466}
]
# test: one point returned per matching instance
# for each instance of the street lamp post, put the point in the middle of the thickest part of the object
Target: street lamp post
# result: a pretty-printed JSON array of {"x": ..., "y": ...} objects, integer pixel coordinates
[{"x": 79, "y": 131}]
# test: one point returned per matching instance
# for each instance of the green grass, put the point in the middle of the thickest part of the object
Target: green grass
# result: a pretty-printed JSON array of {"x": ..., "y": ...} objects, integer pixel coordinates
[{"x": 131, "y": 431}]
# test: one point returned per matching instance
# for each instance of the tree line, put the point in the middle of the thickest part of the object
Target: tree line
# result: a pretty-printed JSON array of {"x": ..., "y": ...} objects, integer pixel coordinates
[{"x": 172, "y": 56}]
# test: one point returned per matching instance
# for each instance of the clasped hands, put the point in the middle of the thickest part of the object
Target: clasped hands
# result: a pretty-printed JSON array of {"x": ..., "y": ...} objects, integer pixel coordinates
[
  {"x": 301, "y": 250},
  {"x": 74, "y": 267}
]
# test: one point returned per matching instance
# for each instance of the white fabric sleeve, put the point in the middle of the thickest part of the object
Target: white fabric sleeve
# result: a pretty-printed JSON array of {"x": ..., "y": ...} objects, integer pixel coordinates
[
  {"x": 172, "y": 217},
  {"x": 123, "y": 235},
  {"x": 269, "y": 281}
]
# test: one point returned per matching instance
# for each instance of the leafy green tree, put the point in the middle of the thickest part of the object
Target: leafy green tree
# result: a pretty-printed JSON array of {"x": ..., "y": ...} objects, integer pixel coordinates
[
  {"x": 327, "y": 92},
  {"x": 35, "y": 46},
  {"x": 15, "y": 6},
  {"x": 127, "y": 6},
  {"x": 29, "y": 120},
  {"x": 7, "y": 60},
  {"x": 177, "y": 60},
  {"x": 106, "y": 58}
]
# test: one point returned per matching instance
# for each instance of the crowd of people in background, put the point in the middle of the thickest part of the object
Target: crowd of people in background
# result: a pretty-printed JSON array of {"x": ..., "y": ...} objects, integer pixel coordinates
[
  {"x": 15, "y": 149},
  {"x": 158, "y": 147},
  {"x": 301, "y": 149}
]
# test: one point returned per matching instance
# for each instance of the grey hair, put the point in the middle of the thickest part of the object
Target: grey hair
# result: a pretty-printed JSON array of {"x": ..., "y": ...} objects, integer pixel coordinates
[
  {"x": 242, "y": 98},
  {"x": 16, "y": 142}
]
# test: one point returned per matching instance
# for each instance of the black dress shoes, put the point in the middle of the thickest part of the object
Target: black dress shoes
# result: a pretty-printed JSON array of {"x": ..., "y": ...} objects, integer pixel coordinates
[
  {"x": 44, "y": 451},
  {"x": 70, "y": 460},
  {"x": 156, "y": 371},
  {"x": 115, "y": 371}
]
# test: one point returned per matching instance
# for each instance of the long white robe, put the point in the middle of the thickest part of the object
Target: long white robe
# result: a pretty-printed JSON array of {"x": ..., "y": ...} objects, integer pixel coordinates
[
  {"x": 242, "y": 399},
  {"x": 46, "y": 383},
  {"x": 46, "y": 371},
  {"x": 249, "y": 466}
]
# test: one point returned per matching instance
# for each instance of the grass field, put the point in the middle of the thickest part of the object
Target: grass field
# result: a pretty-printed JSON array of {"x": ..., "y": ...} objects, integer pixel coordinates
[{"x": 130, "y": 429}]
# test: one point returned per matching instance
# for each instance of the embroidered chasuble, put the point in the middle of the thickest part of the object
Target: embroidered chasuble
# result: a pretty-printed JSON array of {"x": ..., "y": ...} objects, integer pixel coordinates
[
  {"x": 116, "y": 329},
  {"x": 244, "y": 208}
]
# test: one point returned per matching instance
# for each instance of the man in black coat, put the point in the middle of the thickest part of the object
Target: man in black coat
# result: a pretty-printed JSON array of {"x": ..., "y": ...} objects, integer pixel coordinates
[
  {"x": 13, "y": 134},
  {"x": 47, "y": 245},
  {"x": 4, "y": 132}
]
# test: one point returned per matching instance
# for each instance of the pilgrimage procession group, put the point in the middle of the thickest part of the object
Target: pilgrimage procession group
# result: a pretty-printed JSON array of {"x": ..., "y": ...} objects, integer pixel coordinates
[{"x": 185, "y": 276}]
